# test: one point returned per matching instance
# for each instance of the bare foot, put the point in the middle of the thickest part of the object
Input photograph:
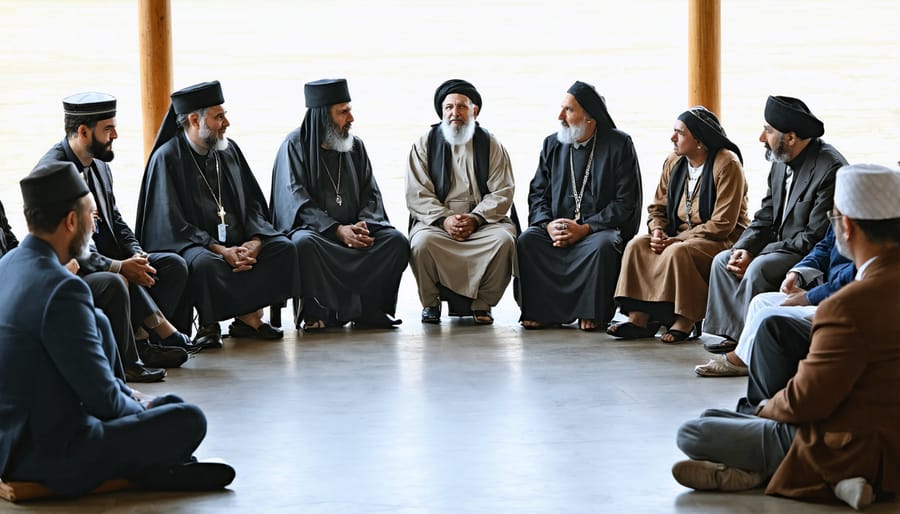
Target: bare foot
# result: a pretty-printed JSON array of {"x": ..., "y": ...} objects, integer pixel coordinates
[
  {"x": 588, "y": 325},
  {"x": 527, "y": 323}
]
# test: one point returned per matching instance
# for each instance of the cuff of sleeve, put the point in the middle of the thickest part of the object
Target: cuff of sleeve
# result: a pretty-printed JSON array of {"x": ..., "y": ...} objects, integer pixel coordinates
[{"x": 115, "y": 266}]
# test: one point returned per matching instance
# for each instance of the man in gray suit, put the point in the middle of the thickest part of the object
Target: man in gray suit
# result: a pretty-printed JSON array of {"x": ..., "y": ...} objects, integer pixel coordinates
[{"x": 792, "y": 219}]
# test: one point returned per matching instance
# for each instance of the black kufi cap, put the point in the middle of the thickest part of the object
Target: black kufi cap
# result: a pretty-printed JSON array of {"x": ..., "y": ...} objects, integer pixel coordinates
[
  {"x": 787, "y": 114},
  {"x": 325, "y": 92},
  {"x": 592, "y": 102},
  {"x": 705, "y": 127},
  {"x": 198, "y": 96},
  {"x": 52, "y": 183},
  {"x": 98, "y": 106},
  {"x": 455, "y": 86}
]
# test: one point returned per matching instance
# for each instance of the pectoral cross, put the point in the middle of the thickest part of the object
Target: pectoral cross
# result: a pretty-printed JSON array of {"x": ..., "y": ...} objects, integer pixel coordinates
[
  {"x": 578, "y": 215},
  {"x": 221, "y": 214}
]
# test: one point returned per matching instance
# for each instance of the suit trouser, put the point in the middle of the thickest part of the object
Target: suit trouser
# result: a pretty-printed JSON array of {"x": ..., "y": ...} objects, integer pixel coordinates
[
  {"x": 765, "y": 305},
  {"x": 737, "y": 440},
  {"x": 781, "y": 343},
  {"x": 166, "y": 296},
  {"x": 111, "y": 296}
]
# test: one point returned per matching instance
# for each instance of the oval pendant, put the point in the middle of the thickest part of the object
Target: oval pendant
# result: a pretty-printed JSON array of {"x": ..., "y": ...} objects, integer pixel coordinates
[{"x": 339, "y": 200}]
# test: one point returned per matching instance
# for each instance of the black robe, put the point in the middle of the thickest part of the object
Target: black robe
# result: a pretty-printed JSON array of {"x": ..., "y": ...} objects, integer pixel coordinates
[
  {"x": 353, "y": 283},
  {"x": 177, "y": 213},
  {"x": 8, "y": 240},
  {"x": 577, "y": 282}
]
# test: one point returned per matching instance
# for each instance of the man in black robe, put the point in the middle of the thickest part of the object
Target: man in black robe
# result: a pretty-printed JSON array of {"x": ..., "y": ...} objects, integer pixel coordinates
[
  {"x": 8, "y": 240},
  {"x": 324, "y": 196},
  {"x": 200, "y": 199},
  {"x": 155, "y": 281},
  {"x": 584, "y": 206}
]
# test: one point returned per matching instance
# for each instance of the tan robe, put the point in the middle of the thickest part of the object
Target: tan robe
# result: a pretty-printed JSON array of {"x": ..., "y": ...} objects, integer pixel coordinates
[
  {"x": 680, "y": 274},
  {"x": 480, "y": 267}
]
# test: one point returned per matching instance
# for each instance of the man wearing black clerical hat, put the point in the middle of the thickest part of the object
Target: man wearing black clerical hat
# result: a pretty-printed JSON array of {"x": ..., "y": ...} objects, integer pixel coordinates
[
  {"x": 584, "y": 206},
  {"x": 200, "y": 199},
  {"x": 155, "y": 282},
  {"x": 68, "y": 422},
  {"x": 792, "y": 219},
  {"x": 326, "y": 199},
  {"x": 459, "y": 189}
]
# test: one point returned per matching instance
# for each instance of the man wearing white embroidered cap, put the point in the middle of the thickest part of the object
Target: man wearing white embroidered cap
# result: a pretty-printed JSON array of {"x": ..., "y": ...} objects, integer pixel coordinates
[{"x": 830, "y": 432}]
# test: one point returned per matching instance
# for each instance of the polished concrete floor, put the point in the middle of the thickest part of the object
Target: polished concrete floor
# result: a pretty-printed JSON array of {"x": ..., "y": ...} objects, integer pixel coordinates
[{"x": 451, "y": 418}]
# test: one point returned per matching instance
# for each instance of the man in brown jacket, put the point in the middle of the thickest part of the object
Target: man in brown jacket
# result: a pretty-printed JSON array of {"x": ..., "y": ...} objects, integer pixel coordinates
[{"x": 832, "y": 431}]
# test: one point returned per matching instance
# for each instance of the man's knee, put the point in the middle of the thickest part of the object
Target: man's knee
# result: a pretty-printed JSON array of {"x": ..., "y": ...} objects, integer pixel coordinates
[{"x": 690, "y": 437}]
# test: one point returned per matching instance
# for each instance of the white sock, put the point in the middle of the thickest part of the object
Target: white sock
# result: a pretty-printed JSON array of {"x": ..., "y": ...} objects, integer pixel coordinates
[{"x": 855, "y": 492}]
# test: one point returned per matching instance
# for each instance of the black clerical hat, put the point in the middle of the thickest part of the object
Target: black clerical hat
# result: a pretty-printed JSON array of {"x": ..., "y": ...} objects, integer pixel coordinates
[
  {"x": 325, "y": 92},
  {"x": 51, "y": 183},
  {"x": 99, "y": 106},
  {"x": 198, "y": 96},
  {"x": 455, "y": 86},
  {"x": 591, "y": 101},
  {"x": 786, "y": 114}
]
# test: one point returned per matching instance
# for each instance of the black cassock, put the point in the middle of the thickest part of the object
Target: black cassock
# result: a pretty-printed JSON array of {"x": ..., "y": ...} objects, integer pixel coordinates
[
  {"x": 353, "y": 283},
  {"x": 559, "y": 285},
  {"x": 177, "y": 212}
]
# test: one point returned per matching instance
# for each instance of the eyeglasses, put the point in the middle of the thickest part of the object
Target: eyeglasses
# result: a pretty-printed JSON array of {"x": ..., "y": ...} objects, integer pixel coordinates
[
  {"x": 834, "y": 217},
  {"x": 95, "y": 216}
]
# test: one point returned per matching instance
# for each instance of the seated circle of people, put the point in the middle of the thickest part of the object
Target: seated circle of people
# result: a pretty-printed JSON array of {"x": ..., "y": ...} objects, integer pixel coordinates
[
  {"x": 816, "y": 277},
  {"x": 583, "y": 206},
  {"x": 699, "y": 209},
  {"x": 459, "y": 188},
  {"x": 200, "y": 199},
  {"x": 791, "y": 220},
  {"x": 326, "y": 199},
  {"x": 155, "y": 281},
  {"x": 68, "y": 423},
  {"x": 824, "y": 427}
]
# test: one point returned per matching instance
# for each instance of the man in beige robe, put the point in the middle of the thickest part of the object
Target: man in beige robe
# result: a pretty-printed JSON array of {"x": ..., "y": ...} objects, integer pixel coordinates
[{"x": 459, "y": 187}]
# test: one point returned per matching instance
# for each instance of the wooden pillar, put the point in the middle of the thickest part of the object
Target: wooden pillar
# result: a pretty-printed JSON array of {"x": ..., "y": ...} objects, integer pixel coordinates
[
  {"x": 155, "y": 23},
  {"x": 704, "y": 55}
]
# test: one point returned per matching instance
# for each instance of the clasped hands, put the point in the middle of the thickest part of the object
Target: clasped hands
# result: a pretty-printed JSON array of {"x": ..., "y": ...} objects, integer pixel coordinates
[
  {"x": 566, "y": 232},
  {"x": 355, "y": 236},
  {"x": 460, "y": 226},
  {"x": 659, "y": 241},
  {"x": 240, "y": 258},
  {"x": 795, "y": 295}
]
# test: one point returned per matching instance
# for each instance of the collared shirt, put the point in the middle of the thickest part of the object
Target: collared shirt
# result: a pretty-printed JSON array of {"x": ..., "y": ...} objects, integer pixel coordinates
[{"x": 862, "y": 269}]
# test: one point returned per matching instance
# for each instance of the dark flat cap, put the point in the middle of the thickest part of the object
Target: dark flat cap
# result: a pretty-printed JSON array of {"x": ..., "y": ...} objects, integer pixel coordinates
[
  {"x": 198, "y": 96},
  {"x": 455, "y": 86},
  {"x": 591, "y": 101},
  {"x": 787, "y": 114},
  {"x": 51, "y": 183},
  {"x": 325, "y": 92},
  {"x": 91, "y": 104}
]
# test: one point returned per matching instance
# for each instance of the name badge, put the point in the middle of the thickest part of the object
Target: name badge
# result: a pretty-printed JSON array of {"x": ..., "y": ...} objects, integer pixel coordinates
[{"x": 222, "y": 232}]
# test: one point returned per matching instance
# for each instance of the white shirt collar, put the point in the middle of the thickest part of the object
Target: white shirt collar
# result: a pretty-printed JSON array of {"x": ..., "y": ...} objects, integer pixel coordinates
[{"x": 862, "y": 269}]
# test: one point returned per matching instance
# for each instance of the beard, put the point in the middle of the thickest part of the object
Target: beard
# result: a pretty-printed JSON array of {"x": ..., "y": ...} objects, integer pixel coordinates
[
  {"x": 458, "y": 135},
  {"x": 79, "y": 247},
  {"x": 779, "y": 153},
  {"x": 212, "y": 140},
  {"x": 101, "y": 151},
  {"x": 839, "y": 242},
  {"x": 570, "y": 134},
  {"x": 338, "y": 139}
]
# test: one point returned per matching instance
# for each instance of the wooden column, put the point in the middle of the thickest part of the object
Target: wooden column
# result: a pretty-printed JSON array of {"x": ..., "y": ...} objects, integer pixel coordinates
[
  {"x": 155, "y": 23},
  {"x": 704, "y": 54}
]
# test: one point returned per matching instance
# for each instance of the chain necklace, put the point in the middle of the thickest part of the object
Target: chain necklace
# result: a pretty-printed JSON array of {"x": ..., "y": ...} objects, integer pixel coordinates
[
  {"x": 689, "y": 197},
  {"x": 336, "y": 185},
  {"x": 578, "y": 195},
  {"x": 221, "y": 211}
]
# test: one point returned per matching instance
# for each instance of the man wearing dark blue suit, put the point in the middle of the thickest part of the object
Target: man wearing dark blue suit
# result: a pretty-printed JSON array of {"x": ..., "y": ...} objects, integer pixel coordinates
[{"x": 65, "y": 420}]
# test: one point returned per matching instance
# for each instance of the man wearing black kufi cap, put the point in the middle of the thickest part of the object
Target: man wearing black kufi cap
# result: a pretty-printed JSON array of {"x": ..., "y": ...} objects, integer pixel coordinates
[
  {"x": 155, "y": 281},
  {"x": 200, "y": 199},
  {"x": 792, "y": 219},
  {"x": 584, "y": 206},
  {"x": 325, "y": 197},
  {"x": 459, "y": 188},
  {"x": 68, "y": 422}
]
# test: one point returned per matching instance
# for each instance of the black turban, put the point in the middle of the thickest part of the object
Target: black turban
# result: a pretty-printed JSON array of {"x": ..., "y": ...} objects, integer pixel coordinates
[
  {"x": 52, "y": 183},
  {"x": 786, "y": 114},
  {"x": 455, "y": 86},
  {"x": 705, "y": 127},
  {"x": 592, "y": 102},
  {"x": 326, "y": 92}
]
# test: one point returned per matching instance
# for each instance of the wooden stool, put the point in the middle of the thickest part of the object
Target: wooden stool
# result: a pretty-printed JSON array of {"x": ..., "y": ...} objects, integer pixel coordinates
[{"x": 20, "y": 491}]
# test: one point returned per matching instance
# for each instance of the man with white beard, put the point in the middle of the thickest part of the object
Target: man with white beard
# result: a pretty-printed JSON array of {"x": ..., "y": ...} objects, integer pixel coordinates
[
  {"x": 200, "y": 199},
  {"x": 459, "y": 188},
  {"x": 326, "y": 199},
  {"x": 584, "y": 206}
]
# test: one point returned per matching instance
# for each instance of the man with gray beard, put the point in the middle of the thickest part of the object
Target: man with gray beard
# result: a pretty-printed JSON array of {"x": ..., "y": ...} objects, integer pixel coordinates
[
  {"x": 325, "y": 198},
  {"x": 792, "y": 219},
  {"x": 459, "y": 188},
  {"x": 584, "y": 206}
]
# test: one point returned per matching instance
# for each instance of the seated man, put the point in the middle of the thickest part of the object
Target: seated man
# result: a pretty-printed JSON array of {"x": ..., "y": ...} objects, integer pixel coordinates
[
  {"x": 8, "y": 240},
  {"x": 459, "y": 187},
  {"x": 790, "y": 222},
  {"x": 584, "y": 206},
  {"x": 325, "y": 197},
  {"x": 200, "y": 199},
  {"x": 67, "y": 422},
  {"x": 824, "y": 262},
  {"x": 831, "y": 431}
]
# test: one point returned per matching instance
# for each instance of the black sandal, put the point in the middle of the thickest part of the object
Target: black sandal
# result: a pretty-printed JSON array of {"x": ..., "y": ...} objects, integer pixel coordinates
[
  {"x": 482, "y": 314},
  {"x": 628, "y": 330},
  {"x": 679, "y": 336}
]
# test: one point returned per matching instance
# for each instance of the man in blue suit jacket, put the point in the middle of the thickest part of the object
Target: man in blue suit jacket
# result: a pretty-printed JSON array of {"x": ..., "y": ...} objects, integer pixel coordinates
[{"x": 65, "y": 420}]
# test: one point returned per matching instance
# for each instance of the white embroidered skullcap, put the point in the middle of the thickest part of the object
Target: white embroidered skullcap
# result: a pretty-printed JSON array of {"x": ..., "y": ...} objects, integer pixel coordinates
[{"x": 868, "y": 192}]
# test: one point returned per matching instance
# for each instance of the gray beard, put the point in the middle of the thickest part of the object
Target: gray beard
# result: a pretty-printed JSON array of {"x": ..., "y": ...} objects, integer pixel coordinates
[
  {"x": 336, "y": 141},
  {"x": 571, "y": 134},
  {"x": 458, "y": 136},
  {"x": 212, "y": 140},
  {"x": 778, "y": 154}
]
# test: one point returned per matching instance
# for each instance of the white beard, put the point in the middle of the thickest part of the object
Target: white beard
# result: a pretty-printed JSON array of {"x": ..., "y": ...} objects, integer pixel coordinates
[
  {"x": 337, "y": 142},
  {"x": 458, "y": 136},
  {"x": 571, "y": 134},
  {"x": 212, "y": 140}
]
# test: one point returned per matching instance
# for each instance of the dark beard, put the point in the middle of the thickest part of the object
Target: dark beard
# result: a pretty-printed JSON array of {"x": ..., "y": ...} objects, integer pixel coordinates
[{"x": 100, "y": 151}]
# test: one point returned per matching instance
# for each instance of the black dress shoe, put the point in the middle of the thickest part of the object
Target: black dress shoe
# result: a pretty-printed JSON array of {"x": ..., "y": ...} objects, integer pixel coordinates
[
  {"x": 209, "y": 336},
  {"x": 431, "y": 314},
  {"x": 176, "y": 339},
  {"x": 382, "y": 321},
  {"x": 239, "y": 329},
  {"x": 722, "y": 346},
  {"x": 141, "y": 374},
  {"x": 193, "y": 475},
  {"x": 161, "y": 356}
]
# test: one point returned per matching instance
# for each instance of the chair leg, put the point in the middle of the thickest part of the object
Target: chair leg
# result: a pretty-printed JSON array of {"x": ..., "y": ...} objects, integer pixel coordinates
[{"x": 275, "y": 314}]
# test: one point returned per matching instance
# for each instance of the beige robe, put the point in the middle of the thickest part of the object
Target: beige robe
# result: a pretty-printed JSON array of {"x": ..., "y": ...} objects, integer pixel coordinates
[
  {"x": 480, "y": 267},
  {"x": 680, "y": 274}
]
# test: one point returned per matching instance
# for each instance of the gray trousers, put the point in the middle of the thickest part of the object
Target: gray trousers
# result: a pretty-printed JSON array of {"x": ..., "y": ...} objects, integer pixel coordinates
[
  {"x": 737, "y": 440},
  {"x": 729, "y": 296}
]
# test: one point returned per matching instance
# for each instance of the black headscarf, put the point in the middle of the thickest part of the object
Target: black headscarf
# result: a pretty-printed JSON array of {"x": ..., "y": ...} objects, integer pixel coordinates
[
  {"x": 455, "y": 86},
  {"x": 593, "y": 103}
]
